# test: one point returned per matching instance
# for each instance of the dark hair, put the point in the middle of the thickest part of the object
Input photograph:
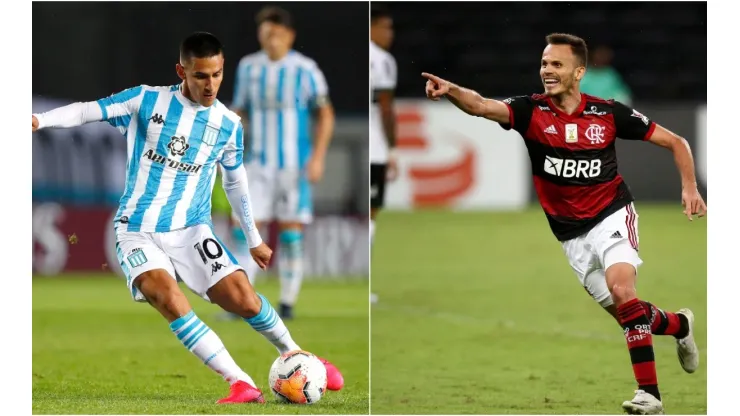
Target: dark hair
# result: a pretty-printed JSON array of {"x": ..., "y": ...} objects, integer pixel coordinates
[
  {"x": 200, "y": 45},
  {"x": 577, "y": 45},
  {"x": 276, "y": 15},
  {"x": 378, "y": 11}
]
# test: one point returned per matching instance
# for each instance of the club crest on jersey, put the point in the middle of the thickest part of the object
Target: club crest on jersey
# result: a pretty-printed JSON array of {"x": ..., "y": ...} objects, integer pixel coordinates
[
  {"x": 595, "y": 133},
  {"x": 571, "y": 133},
  {"x": 178, "y": 146},
  {"x": 210, "y": 136}
]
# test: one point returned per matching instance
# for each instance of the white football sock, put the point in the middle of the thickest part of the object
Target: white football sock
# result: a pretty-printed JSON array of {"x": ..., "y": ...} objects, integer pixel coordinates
[{"x": 206, "y": 345}]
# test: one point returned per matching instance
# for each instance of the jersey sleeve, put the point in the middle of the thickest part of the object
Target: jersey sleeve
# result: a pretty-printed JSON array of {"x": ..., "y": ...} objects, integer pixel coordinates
[
  {"x": 241, "y": 87},
  {"x": 520, "y": 113},
  {"x": 233, "y": 154},
  {"x": 387, "y": 75},
  {"x": 630, "y": 124},
  {"x": 318, "y": 90},
  {"x": 120, "y": 107}
]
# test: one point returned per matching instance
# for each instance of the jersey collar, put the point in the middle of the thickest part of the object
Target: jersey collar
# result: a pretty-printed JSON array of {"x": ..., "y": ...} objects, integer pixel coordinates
[
  {"x": 575, "y": 115},
  {"x": 186, "y": 102}
]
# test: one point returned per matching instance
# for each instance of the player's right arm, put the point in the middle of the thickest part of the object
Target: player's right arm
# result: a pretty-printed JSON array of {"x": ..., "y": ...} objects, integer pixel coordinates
[
  {"x": 115, "y": 109},
  {"x": 466, "y": 99}
]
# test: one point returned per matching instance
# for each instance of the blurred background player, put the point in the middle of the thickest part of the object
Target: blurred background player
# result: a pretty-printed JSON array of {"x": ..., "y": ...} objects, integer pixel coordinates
[
  {"x": 597, "y": 226},
  {"x": 602, "y": 79},
  {"x": 277, "y": 92},
  {"x": 177, "y": 135},
  {"x": 382, "y": 116}
]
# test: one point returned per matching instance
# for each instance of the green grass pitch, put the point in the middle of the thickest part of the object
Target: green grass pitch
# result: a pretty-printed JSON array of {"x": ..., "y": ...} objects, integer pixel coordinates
[
  {"x": 480, "y": 313},
  {"x": 95, "y": 351}
]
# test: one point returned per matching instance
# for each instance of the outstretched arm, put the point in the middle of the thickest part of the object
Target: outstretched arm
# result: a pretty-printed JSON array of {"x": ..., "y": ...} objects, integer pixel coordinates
[
  {"x": 115, "y": 109},
  {"x": 71, "y": 115},
  {"x": 466, "y": 99}
]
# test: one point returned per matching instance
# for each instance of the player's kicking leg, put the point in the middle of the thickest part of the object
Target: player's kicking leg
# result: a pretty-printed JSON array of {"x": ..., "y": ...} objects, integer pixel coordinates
[
  {"x": 235, "y": 294},
  {"x": 150, "y": 277},
  {"x": 162, "y": 292},
  {"x": 243, "y": 257}
]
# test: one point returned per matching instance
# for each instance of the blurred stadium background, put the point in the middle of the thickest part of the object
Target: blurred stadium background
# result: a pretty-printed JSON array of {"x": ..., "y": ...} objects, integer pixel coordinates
[
  {"x": 479, "y": 311},
  {"x": 86, "y": 51}
]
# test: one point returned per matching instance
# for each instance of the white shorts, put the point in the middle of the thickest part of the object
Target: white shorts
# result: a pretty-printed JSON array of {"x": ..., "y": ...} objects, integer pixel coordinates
[
  {"x": 613, "y": 240},
  {"x": 282, "y": 195},
  {"x": 194, "y": 255}
]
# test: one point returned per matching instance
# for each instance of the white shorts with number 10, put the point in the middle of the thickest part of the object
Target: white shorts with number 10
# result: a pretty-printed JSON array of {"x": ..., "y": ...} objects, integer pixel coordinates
[
  {"x": 193, "y": 254},
  {"x": 613, "y": 240}
]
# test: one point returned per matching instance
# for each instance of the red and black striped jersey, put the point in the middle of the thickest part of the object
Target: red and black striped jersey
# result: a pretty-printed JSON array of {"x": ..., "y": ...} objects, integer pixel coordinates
[{"x": 574, "y": 159}]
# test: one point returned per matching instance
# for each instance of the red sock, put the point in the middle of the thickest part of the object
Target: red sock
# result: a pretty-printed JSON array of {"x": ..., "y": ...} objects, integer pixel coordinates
[
  {"x": 665, "y": 323},
  {"x": 636, "y": 326}
]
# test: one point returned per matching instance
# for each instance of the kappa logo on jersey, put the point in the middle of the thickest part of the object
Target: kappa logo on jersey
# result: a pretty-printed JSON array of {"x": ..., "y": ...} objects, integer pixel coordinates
[
  {"x": 157, "y": 119},
  {"x": 174, "y": 164},
  {"x": 137, "y": 258},
  {"x": 210, "y": 136},
  {"x": 178, "y": 146},
  {"x": 637, "y": 114},
  {"x": 570, "y": 168},
  {"x": 216, "y": 267},
  {"x": 594, "y": 111},
  {"x": 595, "y": 133}
]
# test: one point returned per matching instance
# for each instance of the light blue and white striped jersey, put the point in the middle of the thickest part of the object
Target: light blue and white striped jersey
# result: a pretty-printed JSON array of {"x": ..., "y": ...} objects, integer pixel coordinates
[
  {"x": 173, "y": 147},
  {"x": 278, "y": 97}
]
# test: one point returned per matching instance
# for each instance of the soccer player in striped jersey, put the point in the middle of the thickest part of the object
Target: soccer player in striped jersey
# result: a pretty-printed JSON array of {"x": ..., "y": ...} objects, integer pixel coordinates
[
  {"x": 570, "y": 138},
  {"x": 177, "y": 135},
  {"x": 277, "y": 91}
]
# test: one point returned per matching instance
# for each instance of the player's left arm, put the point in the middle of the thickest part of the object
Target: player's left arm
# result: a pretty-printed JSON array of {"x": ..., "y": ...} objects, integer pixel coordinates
[
  {"x": 236, "y": 186},
  {"x": 632, "y": 125},
  {"x": 325, "y": 119}
]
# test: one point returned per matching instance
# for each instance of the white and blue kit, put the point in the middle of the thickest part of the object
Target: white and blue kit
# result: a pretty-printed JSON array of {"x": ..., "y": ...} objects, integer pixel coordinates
[
  {"x": 174, "y": 145},
  {"x": 278, "y": 98}
]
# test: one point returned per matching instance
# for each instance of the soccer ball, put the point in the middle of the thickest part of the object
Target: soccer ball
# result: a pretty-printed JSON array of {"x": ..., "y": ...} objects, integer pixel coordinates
[{"x": 298, "y": 377}]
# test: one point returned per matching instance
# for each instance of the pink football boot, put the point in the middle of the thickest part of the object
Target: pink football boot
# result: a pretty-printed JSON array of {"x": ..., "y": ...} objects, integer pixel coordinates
[
  {"x": 242, "y": 392},
  {"x": 334, "y": 379}
]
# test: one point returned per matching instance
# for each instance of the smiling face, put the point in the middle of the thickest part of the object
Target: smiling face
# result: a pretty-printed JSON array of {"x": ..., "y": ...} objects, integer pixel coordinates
[{"x": 560, "y": 70}]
